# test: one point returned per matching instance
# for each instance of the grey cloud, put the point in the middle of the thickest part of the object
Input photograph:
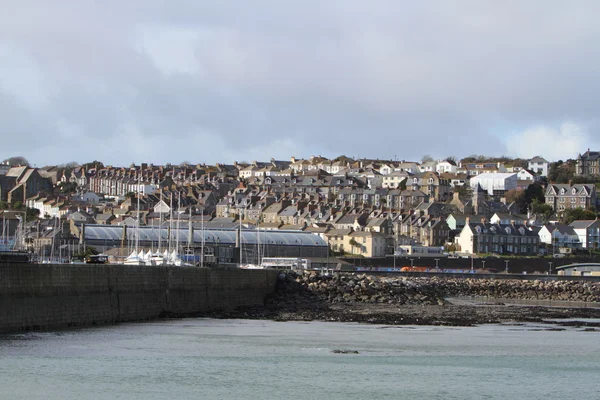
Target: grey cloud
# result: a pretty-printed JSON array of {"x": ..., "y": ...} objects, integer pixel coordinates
[{"x": 202, "y": 81}]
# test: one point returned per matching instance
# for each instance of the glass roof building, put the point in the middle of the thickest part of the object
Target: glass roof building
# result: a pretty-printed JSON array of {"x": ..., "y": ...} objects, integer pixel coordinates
[{"x": 222, "y": 243}]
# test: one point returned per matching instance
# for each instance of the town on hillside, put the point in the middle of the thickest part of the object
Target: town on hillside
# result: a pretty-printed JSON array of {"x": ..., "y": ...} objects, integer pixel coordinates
[{"x": 312, "y": 208}]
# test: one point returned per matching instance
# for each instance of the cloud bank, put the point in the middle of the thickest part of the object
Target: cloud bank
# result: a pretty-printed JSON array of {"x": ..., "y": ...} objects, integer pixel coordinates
[{"x": 162, "y": 81}]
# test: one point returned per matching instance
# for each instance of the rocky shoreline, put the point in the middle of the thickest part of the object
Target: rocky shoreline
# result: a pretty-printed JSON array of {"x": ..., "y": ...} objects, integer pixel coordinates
[{"x": 418, "y": 301}]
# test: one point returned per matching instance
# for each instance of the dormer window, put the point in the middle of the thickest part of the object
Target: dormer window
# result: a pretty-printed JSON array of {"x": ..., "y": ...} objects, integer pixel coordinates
[
  {"x": 562, "y": 191},
  {"x": 574, "y": 191}
]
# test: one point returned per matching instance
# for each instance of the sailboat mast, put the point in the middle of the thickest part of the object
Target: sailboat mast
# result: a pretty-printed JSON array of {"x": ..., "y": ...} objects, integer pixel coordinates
[
  {"x": 202, "y": 242},
  {"x": 241, "y": 253},
  {"x": 170, "y": 222},
  {"x": 177, "y": 236}
]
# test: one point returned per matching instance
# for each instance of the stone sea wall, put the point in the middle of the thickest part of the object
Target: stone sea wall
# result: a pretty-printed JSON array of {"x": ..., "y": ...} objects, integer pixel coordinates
[
  {"x": 43, "y": 296},
  {"x": 363, "y": 288}
]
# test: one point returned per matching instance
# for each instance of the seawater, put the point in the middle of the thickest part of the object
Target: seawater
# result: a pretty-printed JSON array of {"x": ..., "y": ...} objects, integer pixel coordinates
[{"x": 247, "y": 359}]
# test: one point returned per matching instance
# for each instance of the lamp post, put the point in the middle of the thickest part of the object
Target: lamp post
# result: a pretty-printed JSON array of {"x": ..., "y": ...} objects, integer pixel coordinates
[
  {"x": 550, "y": 268},
  {"x": 506, "y": 262},
  {"x": 412, "y": 261},
  {"x": 483, "y": 262},
  {"x": 437, "y": 261}
]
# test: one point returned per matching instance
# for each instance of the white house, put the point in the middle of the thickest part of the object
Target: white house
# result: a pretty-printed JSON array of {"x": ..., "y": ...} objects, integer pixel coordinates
[
  {"x": 495, "y": 183},
  {"x": 588, "y": 232},
  {"x": 508, "y": 219},
  {"x": 88, "y": 197},
  {"x": 446, "y": 167},
  {"x": 559, "y": 236},
  {"x": 538, "y": 165},
  {"x": 428, "y": 166},
  {"x": 526, "y": 175},
  {"x": 394, "y": 179}
]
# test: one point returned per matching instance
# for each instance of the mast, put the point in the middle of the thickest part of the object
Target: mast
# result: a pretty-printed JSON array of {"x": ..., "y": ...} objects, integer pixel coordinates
[
  {"x": 137, "y": 225},
  {"x": 258, "y": 262},
  {"x": 202, "y": 242},
  {"x": 177, "y": 235},
  {"x": 170, "y": 222},
  {"x": 241, "y": 253}
]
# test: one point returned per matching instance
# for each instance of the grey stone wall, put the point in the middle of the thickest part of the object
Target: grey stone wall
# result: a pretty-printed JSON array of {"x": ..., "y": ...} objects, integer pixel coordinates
[{"x": 43, "y": 296}]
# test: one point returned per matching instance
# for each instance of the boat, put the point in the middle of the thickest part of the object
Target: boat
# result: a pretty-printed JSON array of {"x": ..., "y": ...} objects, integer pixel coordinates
[{"x": 137, "y": 256}]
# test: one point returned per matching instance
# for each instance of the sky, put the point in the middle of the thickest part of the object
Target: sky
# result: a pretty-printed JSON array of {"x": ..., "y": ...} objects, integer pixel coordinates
[{"x": 222, "y": 81}]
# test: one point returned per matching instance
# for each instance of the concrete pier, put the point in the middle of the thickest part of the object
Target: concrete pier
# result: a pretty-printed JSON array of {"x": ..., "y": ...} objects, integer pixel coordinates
[{"x": 45, "y": 296}]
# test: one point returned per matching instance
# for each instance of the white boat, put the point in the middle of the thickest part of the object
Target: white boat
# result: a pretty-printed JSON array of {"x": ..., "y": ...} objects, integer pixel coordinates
[
  {"x": 134, "y": 259},
  {"x": 251, "y": 266}
]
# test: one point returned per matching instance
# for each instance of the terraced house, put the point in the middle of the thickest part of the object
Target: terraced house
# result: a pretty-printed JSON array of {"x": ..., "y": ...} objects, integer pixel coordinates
[
  {"x": 588, "y": 163},
  {"x": 502, "y": 239},
  {"x": 565, "y": 196}
]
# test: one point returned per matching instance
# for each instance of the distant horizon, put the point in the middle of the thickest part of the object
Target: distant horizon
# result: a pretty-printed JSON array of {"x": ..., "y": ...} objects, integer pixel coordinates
[{"x": 247, "y": 161}]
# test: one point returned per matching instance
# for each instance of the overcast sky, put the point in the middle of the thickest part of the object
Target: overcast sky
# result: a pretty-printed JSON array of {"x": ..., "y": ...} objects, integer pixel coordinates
[{"x": 198, "y": 81}]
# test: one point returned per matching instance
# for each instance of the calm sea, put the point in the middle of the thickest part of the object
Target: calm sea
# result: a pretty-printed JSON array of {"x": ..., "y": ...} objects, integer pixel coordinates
[{"x": 242, "y": 359}]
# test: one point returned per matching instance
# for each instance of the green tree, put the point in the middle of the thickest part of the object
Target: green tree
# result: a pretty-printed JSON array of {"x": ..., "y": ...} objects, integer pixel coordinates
[
  {"x": 562, "y": 172},
  {"x": 32, "y": 213},
  {"x": 534, "y": 192},
  {"x": 353, "y": 243},
  {"x": 518, "y": 197},
  {"x": 17, "y": 160},
  {"x": 543, "y": 209},
  {"x": 576, "y": 214},
  {"x": 89, "y": 251}
]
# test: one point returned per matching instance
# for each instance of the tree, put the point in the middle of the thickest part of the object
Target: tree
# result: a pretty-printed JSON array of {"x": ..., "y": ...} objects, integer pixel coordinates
[
  {"x": 426, "y": 158},
  {"x": 518, "y": 197},
  {"x": 89, "y": 251},
  {"x": 353, "y": 243},
  {"x": 32, "y": 213},
  {"x": 533, "y": 192},
  {"x": 562, "y": 172},
  {"x": 17, "y": 160},
  {"x": 67, "y": 187},
  {"x": 575, "y": 214},
  {"x": 543, "y": 209},
  {"x": 402, "y": 185}
]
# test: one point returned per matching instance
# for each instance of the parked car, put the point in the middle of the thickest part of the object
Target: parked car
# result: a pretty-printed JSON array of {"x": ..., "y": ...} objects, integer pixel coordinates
[{"x": 558, "y": 255}]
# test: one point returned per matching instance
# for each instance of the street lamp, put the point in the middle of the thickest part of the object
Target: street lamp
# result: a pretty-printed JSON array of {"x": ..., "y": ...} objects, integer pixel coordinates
[
  {"x": 483, "y": 262},
  {"x": 550, "y": 268}
]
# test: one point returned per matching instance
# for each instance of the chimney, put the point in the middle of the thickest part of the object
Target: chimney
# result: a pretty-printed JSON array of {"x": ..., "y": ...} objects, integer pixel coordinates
[{"x": 467, "y": 221}]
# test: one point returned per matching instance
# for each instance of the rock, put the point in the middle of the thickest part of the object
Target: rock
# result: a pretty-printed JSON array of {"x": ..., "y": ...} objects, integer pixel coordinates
[{"x": 340, "y": 351}]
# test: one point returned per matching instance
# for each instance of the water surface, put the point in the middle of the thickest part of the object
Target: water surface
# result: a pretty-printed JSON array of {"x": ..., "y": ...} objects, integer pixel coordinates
[{"x": 243, "y": 359}]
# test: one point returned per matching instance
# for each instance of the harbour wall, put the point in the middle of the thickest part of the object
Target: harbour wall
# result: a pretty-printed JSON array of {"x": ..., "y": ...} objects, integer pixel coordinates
[{"x": 46, "y": 296}]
